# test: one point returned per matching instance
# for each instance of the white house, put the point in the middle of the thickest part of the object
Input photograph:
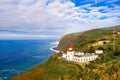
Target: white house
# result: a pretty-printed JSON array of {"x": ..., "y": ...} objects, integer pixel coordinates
[
  {"x": 80, "y": 56},
  {"x": 118, "y": 32},
  {"x": 98, "y": 51}
]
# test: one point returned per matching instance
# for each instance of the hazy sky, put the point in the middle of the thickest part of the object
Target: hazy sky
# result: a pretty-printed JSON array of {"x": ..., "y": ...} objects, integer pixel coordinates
[{"x": 53, "y": 18}]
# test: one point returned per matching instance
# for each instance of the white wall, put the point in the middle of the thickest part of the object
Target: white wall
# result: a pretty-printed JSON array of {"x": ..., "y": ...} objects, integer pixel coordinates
[
  {"x": 70, "y": 55},
  {"x": 98, "y": 51},
  {"x": 85, "y": 58},
  {"x": 79, "y": 53}
]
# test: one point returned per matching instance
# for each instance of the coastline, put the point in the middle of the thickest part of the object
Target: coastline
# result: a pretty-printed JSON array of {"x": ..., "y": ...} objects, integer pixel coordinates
[{"x": 53, "y": 48}]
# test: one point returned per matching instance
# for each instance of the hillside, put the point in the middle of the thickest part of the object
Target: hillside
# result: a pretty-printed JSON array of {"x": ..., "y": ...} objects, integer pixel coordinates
[
  {"x": 83, "y": 41},
  {"x": 106, "y": 67},
  {"x": 57, "y": 69}
]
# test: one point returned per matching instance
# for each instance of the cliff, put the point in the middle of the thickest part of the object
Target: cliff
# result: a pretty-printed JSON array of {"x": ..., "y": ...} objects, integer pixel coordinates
[
  {"x": 84, "y": 40},
  {"x": 106, "y": 67}
]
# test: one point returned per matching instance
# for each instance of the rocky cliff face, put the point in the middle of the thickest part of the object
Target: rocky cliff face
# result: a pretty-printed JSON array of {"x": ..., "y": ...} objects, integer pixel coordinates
[{"x": 67, "y": 40}]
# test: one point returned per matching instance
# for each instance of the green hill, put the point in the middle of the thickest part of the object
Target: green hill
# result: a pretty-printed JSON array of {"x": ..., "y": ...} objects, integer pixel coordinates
[
  {"x": 83, "y": 41},
  {"x": 106, "y": 67}
]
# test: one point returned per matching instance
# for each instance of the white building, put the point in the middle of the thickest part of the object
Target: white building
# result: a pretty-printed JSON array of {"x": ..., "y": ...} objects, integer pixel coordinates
[
  {"x": 118, "y": 32},
  {"x": 70, "y": 53},
  {"x": 80, "y": 56},
  {"x": 79, "y": 53},
  {"x": 98, "y": 51},
  {"x": 85, "y": 58}
]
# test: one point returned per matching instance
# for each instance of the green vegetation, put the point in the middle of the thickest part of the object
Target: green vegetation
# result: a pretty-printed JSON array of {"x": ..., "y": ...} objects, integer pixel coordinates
[
  {"x": 106, "y": 67},
  {"x": 83, "y": 41},
  {"x": 53, "y": 69},
  {"x": 58, "y": 69}
]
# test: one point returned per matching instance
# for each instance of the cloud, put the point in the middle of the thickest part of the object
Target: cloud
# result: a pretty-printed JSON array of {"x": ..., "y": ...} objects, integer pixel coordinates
[
  {"x": 24, "y": 36},
  {"x": 46, "y": 17}
]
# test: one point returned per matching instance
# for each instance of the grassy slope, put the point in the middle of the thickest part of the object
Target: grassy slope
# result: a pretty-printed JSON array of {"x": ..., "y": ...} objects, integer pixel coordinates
[
  {"x": 57, "y": 69},
  {"x": 107, "y": 67},
  {"x": 81, "y": 41}
]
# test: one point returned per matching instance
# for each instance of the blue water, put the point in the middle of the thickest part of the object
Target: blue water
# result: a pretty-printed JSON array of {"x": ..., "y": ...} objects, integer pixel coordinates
[{"x": 17, "y": 56}]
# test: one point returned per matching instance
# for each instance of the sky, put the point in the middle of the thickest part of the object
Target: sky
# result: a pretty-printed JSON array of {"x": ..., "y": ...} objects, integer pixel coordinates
[{"x": 45, "y": 19}]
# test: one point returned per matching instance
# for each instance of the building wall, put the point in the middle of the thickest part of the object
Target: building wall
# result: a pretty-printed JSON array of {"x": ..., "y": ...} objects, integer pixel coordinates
[
  {"x": 70, "y": 55},
  {"x": 98, "y": 51},
  {"x": 79, "y": 53},
  {"x": 85, "y": 58},
  {"x": 118, "y": 33}
]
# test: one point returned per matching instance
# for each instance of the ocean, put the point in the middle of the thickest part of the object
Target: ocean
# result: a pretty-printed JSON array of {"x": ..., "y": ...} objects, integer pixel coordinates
[{"x": 18, "y": 56}]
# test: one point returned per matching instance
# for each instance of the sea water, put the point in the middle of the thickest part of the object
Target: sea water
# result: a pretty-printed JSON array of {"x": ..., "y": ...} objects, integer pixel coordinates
[{"x": 17, "y": 56}]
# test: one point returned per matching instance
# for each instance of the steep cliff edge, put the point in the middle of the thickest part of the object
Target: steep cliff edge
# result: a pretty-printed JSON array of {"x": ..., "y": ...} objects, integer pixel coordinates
[
  {"x": 82, "y": 41},
  {"x": 69, "y": 39}
]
